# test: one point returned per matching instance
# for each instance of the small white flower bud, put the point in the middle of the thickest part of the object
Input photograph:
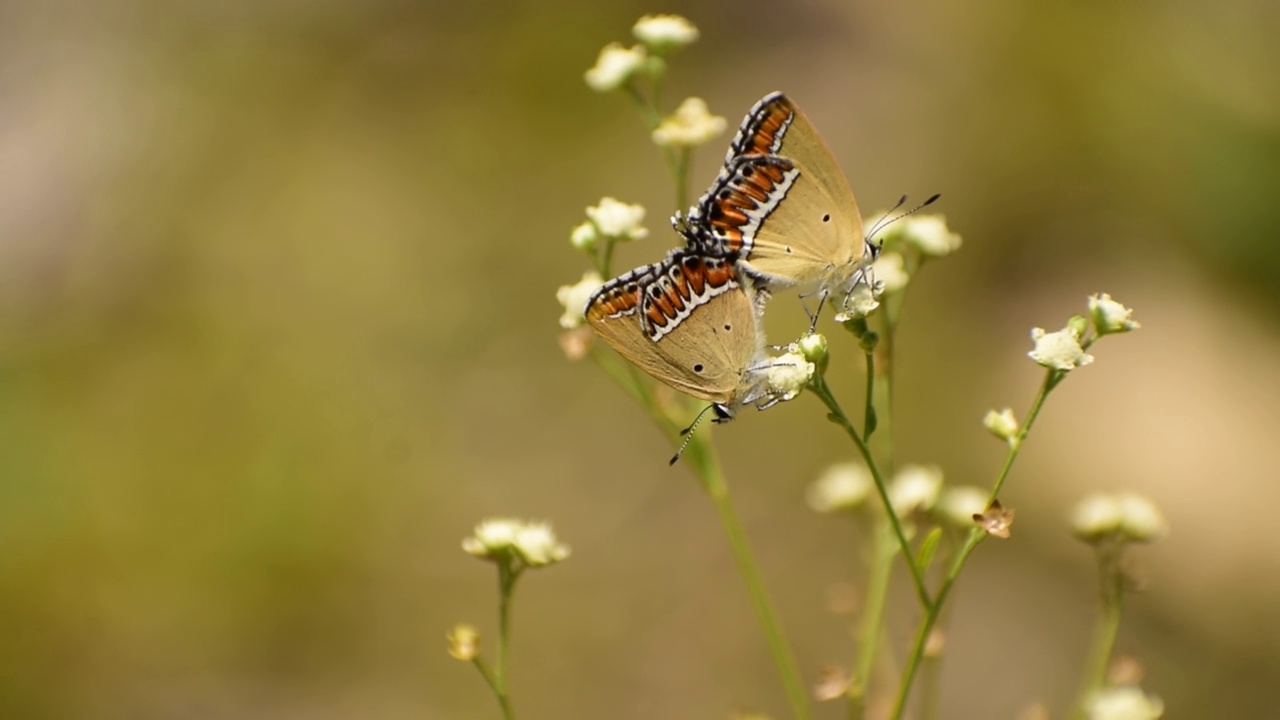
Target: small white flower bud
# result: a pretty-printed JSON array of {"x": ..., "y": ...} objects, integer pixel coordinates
[
  {"x": 664, "y": 32},
  {"x": 843, "y": 486},
  {"x": 930, "y": 235},
  {"x": 1002, "y": 424},
  {"x": 1142, "y": 521},
  {"x": 813, "y": 346},
  {"x": 1110, "y": 316},
  {"x": 691, "y": 124},
  {"x": 574, "y": 299},
  {"x": 614, "y": 67},
  {"x": 915, "y": 487},
  {"x": 617, "y": 219},
  {"x": 584, "y": 237},
  {"x": 1096, "y": 516},
  {"x": 1059, "y": 350},
  {"x": 1125, "y": 702},
  {"x": 464, "y": 643}
]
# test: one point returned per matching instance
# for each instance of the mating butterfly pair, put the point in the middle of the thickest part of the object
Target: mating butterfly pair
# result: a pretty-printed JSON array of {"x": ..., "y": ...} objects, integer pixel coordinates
[{"x": 780, "y": 214}]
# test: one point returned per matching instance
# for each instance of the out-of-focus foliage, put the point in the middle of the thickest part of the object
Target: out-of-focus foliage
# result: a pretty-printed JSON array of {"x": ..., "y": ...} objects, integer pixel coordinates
[{"x": 278, "y": 327}]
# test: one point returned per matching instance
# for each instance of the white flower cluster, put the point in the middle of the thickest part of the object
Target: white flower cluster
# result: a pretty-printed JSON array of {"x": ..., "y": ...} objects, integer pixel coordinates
[
  {"x": 574, "y": 299},
  {"x": 658, "y": 34},
  {"x": 1126, "y": 516},
  {"x": 501, "y": 539},
  {"x": 691, "y": 124}
]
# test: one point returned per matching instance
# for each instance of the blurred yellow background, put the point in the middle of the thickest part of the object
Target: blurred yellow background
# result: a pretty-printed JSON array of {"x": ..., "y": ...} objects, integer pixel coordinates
[{"x": 278, "y": 327}]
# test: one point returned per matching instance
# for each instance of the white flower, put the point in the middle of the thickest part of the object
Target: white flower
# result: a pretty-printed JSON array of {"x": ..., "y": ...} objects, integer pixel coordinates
[
  {"x": 1124, "y": 703},
  {"x": 915, "y": 487},
  {"x": 691, "y": 124},
  {"x": 492, "y": 537},
  {"x": 788, "y": 374},
  {"x": 1002, "y": 424},
  {"x": 1096, "y": 516},
  {"x": 1059, "y": 350},
  {"x": 843, "y": 486},
  {"x": 584, "y": 237},
  {"x": 664, "y": 32},
  {"x": 1110, "y": 316},
  {"x": 1142, "y": 519},
  {"x": 574, "y": 299},
  {"x": 862, "y": 299},
  {"x": 929, "y": 233},
  {"x": 959, "y": 504},
  {"x": 615, "y": 66},
  {"x": 890, "y": 271},
  {"x": 538, "y": 546},
  {"x": 617, "y": 219}
]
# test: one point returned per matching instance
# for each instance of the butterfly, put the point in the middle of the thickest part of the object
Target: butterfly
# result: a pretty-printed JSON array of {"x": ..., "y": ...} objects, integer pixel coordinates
[
  {"x": 781, "y": 207},
  {"x": 691, "y": 321}
]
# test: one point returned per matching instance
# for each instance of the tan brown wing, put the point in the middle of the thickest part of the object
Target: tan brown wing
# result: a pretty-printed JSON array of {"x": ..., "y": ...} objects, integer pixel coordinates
[{"x": 688, "y": 321}]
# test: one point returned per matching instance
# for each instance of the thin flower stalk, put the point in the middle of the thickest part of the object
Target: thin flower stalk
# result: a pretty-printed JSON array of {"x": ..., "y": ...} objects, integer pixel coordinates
[
  {"x": 976, "y": 536},
  {"x": 836, "y": 415}
]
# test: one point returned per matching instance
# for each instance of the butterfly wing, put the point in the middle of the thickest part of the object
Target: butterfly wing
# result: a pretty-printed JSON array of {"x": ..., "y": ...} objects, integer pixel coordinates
[
  {"x": 688, "y": 321},
  {"x": 796, "y": 225}
]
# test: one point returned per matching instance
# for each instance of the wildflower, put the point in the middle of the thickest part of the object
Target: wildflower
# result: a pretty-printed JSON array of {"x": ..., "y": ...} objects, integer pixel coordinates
[
  {"x": 1110, "y": 316},
  {"x": 789, "y": 374},
  {"x": 574, "y": 299},
  {"x": 1002, "y": 424},
  {"x": 957, "y": 505},
  {"x": 538, "y": 546},
  {"x": 615, "y": 67},
  {"x": 1096, "y": 516},
  {"x": 691, "y": 124},
  {"x": 1059, "y": 350},
  {"x": 662, "y": 33},
  {"x": 915, "y": 487},
  {"x": 464, "y": 643},
  {"x": 617, "y": 219},
  {"x": 1124, "y": 703},
  {"x": 996, "y": 520},
  {"x": 584, "y": 237},
  {"x": 862, "y": 299},
  {"x": 930, "y": 235},
  {"x": 832, "y": 684},
  {"x": 493, "y": 538},
  {"x": 843, "y": 486},
  {"x": 1141, "y": 519},
  {"x": 890, "y": 270}
]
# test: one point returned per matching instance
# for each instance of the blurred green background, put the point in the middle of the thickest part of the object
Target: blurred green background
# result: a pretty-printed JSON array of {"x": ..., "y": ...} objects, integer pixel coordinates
[{"x": 278, "y": 327}]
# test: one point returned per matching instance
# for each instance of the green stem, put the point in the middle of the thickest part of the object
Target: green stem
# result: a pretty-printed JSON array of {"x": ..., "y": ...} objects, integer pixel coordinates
[
  {"x": 707, "y": 466},
  {"x": 976, "y": 536},
  {"x": 819, "y": 388},
  {"x": 653, "y": 118},
  {"x": 507, "y": 577},
  {"x": 884, "y": 547},
  {"x": 869, "y": 419},
  {"x": 886, "y": 435},
  {"x": 1111, "y": 593}
]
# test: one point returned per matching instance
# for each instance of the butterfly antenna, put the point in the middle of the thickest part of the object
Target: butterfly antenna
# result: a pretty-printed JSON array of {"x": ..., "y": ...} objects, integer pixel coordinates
[
  {"x": 886, "y": 221},
  {"x": 687, "y": 434}
]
